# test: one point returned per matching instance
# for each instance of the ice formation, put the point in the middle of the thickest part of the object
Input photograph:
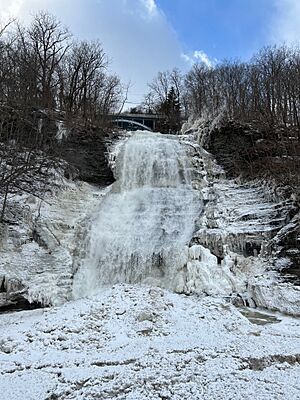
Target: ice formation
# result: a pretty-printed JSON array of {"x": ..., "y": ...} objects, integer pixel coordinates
[
  {"x": 150, "y": 228},
  {"x": 62, "y": 131},
  {"x": 142, "y": 227}
]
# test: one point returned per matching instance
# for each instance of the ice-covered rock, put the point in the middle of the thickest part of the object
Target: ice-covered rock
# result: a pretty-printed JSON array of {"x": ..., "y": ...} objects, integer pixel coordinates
[
  {"x": 240, "y": 227},
  {"x": 38, "y": 250},
  {"x": 151, "y": 228}
]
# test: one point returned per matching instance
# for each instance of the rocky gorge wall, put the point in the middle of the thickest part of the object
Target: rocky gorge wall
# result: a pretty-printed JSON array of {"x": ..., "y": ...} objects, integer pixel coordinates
[
  {"x": 250, "y": 156},
  {"x": 231, "y": 253},
  {"x": 39, "y": 237},
  {"x": 239, "y": 235}
]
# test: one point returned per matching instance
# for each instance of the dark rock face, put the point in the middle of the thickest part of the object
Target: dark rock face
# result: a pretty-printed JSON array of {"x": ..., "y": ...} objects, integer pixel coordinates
[
  {"x": 257, "y": 153},
  {"x": 85, "y": 151},
  {"x": 288, "y": 242},
  {"x": 231, "y": 144},
  {"x": 13, "y": 296}
]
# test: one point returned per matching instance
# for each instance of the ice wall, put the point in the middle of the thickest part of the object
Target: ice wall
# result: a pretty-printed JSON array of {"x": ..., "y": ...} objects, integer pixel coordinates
[{"x": 142, "y": 227}]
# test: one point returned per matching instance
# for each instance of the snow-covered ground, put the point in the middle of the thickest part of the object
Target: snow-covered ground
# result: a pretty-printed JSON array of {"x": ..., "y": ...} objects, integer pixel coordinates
[{"x": 136, "y": 342}]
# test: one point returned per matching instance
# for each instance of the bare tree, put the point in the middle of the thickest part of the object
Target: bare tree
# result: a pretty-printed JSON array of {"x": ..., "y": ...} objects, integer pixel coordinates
[
  {"x": 47, "y": 39},
  {"x": 265, "y": 89},
  {"x": 166, "y": 96},
  {"x": 41, "y": 69}
]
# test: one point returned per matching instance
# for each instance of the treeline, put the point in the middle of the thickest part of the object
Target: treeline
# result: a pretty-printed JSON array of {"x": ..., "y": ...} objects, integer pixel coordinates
[
  {"x": 259, "y": 101},
  {"x": 266, "y": 89},
  {"x": 41, "y": 67},
  {"x": 249, "y": 111}
]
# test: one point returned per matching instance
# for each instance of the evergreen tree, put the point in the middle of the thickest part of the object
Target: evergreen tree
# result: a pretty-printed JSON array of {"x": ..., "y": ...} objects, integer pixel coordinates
[{"x": 171, "y": 109}]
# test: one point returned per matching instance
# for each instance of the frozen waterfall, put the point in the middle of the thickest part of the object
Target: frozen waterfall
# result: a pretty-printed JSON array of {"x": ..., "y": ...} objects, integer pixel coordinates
[{"x": 142, "y": 227}]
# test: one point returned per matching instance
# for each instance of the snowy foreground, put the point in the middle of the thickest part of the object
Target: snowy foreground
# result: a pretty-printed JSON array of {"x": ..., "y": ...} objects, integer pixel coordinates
[{"x": 137, "y": 342}]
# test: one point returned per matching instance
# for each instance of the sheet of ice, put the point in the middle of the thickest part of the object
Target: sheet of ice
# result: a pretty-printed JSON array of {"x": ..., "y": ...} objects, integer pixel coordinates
[
  {"x": 44, "y": 266},
  {"x": 144, "y": 224}
]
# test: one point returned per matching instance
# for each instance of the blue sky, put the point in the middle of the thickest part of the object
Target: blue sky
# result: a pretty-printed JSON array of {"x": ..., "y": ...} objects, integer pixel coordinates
[
  {"x": 142, "y": 37},
  {"x": 221, "y": 28}
]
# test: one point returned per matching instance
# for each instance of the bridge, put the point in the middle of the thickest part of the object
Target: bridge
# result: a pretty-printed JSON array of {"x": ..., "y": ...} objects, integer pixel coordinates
[
  {"x": 130, "y": 125},
  {"x": 137, "y": 121}
]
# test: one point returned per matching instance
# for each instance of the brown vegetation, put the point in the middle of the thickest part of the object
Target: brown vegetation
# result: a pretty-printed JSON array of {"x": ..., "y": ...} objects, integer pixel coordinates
[
  {"x": 44, "y": 76},
  {"x": 259, "y": 135}
]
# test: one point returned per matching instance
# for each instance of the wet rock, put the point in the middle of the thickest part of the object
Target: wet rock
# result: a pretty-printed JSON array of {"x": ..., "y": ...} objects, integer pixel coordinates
[
  {"x": 85, "y": 151},
  {"x": 288, "y": 242}
]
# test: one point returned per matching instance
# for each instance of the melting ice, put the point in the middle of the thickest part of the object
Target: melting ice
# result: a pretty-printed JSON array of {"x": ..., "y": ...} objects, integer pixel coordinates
[{"x": 142, "y": 227}]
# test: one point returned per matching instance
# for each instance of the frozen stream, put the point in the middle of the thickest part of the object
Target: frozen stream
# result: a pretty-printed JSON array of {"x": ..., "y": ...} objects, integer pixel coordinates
[{"x": 140, "y": 230}]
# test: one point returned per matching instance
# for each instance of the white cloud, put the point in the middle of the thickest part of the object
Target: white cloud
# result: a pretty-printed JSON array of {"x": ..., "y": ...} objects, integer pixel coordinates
[
  {"x": 285, "y": 25},
  {"x": 9, "y": 8},
  {"x": 145, "y": 9},
  {"x": 203, "y": 57},
  {"x": 135, "y": 34},
  {"x": 199, "y": 56},
  {"x": 151, "y": 7}
]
